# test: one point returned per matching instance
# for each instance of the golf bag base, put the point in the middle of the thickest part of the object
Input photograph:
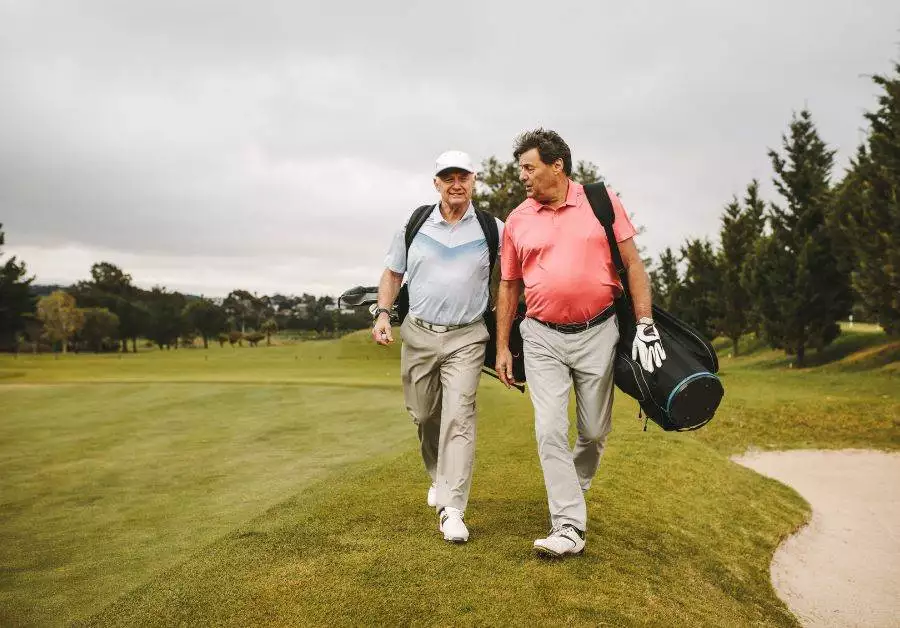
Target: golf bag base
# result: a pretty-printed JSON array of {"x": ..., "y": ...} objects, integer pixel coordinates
[{"x": 684, "y": 393}]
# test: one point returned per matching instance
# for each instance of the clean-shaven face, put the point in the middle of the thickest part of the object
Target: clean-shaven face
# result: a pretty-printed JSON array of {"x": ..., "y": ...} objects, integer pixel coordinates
[
  {"x": 539, "y": 178},
  {"x": 455, "y": 187}
]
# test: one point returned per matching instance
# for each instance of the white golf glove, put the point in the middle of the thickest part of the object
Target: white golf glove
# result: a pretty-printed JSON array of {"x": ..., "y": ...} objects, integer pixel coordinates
[{"x": 647, "y": 345}]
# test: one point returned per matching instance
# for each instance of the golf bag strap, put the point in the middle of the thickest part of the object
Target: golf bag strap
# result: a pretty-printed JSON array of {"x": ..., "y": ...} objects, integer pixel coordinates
[
  {"x": 415, "y": 222},
  {"x": 491, "y": 235},
  {"x": 598, "y": 197}
]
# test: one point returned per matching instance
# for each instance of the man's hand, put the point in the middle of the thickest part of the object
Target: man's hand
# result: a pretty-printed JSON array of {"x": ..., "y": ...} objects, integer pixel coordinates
[
  {"x": 648, "y": 346},
  {"x": 381, "y": 332},
  {"x": 504, "y": 366}
]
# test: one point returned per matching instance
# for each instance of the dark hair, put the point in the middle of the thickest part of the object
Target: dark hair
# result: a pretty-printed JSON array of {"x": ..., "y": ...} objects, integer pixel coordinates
[{"x": 550, "y": 147}]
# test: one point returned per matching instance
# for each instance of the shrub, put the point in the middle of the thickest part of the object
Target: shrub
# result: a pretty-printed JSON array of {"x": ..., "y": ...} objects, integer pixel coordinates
[{"x": 254, "y": 338}]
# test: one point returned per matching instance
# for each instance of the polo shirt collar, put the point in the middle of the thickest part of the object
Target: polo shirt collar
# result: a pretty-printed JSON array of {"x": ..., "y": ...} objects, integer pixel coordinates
[
  {"x": 575, "y": 190},
  {"x": 572, "y": 193},
  {"x": 438, "y": 217}
]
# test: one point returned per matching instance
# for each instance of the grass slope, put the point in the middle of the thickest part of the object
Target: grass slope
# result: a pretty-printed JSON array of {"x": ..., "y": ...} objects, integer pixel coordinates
[
  {"x": 263, "y": 486},
  {"x": 677, "y": 535},
  {"x": 850, "y": 399}
]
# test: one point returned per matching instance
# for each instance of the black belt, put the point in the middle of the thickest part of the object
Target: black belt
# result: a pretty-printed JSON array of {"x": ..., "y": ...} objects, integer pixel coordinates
[{"x": 574, "y": 328}]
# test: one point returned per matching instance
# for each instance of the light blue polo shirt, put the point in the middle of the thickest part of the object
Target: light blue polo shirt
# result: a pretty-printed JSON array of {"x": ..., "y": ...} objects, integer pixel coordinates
[{"x": 447, "y": 268}]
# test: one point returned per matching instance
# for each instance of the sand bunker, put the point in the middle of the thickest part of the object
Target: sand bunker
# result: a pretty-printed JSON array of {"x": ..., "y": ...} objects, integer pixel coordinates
[{"x": 843, "y": 569}]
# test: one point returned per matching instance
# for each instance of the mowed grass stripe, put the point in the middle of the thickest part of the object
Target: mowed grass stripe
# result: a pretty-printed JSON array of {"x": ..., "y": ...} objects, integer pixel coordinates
[
  {"x": 104, "y": 486},
  {"x": 678, "y": 536},
  {"x": 354, "y": 357}
]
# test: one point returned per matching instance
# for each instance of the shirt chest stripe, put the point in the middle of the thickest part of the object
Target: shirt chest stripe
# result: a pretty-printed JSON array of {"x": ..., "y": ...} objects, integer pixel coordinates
[{"x": 428, "y": 244}]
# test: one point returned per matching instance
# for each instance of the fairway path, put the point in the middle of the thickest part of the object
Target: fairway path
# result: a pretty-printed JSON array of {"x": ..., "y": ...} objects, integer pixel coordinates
[{"x": 843, "y": 568}]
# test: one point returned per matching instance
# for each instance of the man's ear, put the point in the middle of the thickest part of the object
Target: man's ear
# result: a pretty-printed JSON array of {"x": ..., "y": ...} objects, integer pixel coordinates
[
  {"x": 558, "y": 165},
  {"x": 437, "y": 184}
]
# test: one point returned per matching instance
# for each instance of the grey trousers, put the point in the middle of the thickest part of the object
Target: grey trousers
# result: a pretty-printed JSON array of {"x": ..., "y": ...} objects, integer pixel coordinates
[
  {"x": 440, "y": 375},
  {"x": 553, "y": 362}
]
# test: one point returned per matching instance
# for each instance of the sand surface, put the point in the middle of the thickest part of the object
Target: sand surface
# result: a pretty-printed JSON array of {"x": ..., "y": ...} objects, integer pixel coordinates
[{"x": 843, "y": 569}]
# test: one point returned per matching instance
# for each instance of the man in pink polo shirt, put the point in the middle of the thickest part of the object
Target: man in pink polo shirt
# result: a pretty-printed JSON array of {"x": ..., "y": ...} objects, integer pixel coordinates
[{"x": 557, "y": 251}]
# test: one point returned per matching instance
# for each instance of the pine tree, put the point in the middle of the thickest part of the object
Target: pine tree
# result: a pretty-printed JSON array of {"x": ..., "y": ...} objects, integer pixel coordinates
[
  {"x": 741, "y": 228},
  {"x": 808, "y": 292},
  {"x": 870, "y": 209},
  {"x": 665, "y": 282},
  {"x": 767, "y": 267},
  {"x": 846, "y": 206},
  {"x": 698, "y": 295},
  {"x": 16, "y": 302}
]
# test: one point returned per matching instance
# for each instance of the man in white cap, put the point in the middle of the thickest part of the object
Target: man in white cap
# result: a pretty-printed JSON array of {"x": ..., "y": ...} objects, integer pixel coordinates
[{"x": 447, "y": 267}]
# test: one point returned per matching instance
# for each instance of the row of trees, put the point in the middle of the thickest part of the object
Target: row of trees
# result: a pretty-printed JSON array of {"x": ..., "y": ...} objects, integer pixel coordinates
[
  {"x": 788, "y": 270},
  {"x": 108, "y": 310}
]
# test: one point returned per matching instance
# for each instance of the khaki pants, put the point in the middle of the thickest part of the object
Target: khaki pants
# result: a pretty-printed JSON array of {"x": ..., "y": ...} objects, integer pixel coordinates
[
  {"x": 553, "y": 362},
  {"x": 440, "y": 374}
]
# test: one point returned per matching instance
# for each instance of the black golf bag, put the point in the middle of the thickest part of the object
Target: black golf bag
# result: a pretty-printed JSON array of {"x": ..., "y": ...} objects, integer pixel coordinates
[{"x": 684, "y": 393}]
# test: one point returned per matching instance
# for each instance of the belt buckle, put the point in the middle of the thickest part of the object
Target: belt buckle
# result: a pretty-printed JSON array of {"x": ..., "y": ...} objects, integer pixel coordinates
[{"x": 438, "y": 329}]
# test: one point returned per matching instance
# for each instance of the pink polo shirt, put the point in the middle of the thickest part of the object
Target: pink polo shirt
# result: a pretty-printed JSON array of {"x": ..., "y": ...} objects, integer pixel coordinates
[{"x": 563, "y": 257}]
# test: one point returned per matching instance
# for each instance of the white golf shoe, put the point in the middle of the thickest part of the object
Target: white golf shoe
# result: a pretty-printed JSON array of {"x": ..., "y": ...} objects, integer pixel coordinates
[
  {"x": 432, "y": 495},
  {"x": 452, "y": 525},
  {"x": 560, "y": 542}
]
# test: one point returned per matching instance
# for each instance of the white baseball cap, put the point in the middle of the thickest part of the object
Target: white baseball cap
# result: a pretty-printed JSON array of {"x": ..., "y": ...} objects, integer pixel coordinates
[{"x": 453, "y": 159}]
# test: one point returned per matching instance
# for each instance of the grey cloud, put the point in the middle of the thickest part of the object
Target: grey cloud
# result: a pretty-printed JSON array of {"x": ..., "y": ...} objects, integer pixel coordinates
[{"x": 265, "y": 132}]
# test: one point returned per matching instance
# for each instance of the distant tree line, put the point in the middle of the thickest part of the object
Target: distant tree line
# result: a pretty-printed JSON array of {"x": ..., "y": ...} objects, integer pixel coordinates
[{"x": 107, "y": 312}]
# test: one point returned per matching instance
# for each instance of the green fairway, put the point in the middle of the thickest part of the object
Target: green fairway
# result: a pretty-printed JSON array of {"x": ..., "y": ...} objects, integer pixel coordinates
[
  {"x": 282, "y": 485},
  {"x": 105, "y": 483}
]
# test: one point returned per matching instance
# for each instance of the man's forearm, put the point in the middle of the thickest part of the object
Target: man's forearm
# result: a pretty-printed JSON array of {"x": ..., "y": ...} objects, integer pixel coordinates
[
  {"x": 388, "y": 288},
  {"x": 507, "y": 303},
  {"x": 639, "y": 286}
]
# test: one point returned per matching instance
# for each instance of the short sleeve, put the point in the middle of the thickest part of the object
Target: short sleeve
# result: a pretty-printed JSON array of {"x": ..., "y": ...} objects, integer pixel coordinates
[
  {"x": 510, "y": 264},
  {"x": 622, "y": 227},
  {"x": 395, "y": 260}
]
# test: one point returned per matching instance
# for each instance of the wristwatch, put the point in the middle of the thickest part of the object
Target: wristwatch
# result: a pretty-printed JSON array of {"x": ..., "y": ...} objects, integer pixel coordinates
[
  {"x": 645, "y": 321},
  {"x": 378, "y": 312}
]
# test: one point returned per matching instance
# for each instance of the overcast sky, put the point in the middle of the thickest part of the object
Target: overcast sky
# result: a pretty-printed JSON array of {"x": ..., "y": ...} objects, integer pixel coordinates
[{"x": 276, "y": 146}]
